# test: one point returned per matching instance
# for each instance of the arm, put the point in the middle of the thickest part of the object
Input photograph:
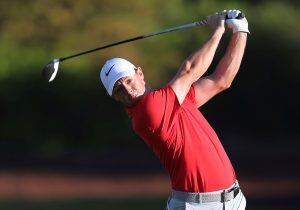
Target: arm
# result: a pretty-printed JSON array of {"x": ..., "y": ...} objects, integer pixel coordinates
[
  {"x": 221, "y": 79},
  {"x": 197, "y": 64}
]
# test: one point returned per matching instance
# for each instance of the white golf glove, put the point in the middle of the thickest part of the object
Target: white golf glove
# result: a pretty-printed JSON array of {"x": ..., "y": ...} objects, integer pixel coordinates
[{"x": 237, "y": 25}]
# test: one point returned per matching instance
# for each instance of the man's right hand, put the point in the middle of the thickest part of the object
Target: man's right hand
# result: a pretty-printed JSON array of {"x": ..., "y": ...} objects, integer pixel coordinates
[{"x": 217, "y": 20}]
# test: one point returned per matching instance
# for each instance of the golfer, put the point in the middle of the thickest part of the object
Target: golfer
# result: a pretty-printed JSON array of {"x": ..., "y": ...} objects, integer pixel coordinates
[{"x": 170, "y": 123}]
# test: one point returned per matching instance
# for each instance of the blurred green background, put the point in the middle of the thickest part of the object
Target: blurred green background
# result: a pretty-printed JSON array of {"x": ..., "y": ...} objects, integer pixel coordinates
[{"x": 72, "y": 126}]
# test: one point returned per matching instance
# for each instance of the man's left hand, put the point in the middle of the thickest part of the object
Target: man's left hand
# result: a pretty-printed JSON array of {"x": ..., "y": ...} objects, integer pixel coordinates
[{"x": 237, "y": 25}]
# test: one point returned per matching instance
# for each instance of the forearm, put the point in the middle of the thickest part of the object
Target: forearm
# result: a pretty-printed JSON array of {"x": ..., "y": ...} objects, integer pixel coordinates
[
  {"x": 200, "y": 60},
  {"x": 197, "y": 64},
  {"x": 229, "y": 65}
]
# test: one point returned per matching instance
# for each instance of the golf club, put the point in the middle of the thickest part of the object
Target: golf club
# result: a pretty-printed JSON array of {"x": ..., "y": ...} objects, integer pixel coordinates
[{"x": 50, "y": 70}]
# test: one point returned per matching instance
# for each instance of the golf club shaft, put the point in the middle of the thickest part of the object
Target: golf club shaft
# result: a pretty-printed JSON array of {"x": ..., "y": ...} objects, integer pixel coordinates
[
  {"x": 136, "y": 38},
  {"x": 200, "y": 23}
]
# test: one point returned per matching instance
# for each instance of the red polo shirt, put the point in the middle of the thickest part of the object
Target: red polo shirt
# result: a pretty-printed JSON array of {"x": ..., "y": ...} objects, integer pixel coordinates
[{"x": 183, "y": 140}]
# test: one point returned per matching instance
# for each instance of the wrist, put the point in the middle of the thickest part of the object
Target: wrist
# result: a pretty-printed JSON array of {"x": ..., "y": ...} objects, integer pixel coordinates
[
  {"x": 241, "y": 34},
  {"x": 218, "y": 32},
  {"x": 245, "y": 30}
]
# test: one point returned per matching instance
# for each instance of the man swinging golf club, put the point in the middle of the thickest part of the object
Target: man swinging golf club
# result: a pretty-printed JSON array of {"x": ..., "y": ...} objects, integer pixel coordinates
[{"x": 170, "y": 123}]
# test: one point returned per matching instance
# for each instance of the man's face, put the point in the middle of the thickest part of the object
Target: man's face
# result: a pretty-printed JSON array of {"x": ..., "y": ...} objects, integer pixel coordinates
[{"x": 129, "y": 90}]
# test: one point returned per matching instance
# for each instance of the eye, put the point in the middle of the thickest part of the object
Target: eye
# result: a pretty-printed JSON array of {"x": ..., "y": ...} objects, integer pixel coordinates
[{"x": 128, "y": 81}]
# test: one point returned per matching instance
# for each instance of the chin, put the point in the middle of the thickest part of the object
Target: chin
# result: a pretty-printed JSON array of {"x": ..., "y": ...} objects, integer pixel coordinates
[{"x": 133, "y": 101}]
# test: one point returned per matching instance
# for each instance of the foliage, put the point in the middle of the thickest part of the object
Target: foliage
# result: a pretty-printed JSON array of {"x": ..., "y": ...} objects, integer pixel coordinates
[{"x": 74, "y": 112}]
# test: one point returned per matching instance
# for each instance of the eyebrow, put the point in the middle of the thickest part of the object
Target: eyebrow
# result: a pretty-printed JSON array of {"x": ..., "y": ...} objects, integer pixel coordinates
[{"x": 118, "y": 83}]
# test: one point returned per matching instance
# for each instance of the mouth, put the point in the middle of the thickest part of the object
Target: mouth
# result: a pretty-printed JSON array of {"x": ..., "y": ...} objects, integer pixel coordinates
[{"x": 134, "y": 96}]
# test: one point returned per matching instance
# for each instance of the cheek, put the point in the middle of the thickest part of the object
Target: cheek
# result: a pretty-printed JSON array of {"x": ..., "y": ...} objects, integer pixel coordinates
[{"x": 141, "y": 84}]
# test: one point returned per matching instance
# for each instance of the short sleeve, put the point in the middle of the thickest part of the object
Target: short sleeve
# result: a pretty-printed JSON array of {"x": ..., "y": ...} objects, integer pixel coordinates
[{"x": 159, "y": 107}]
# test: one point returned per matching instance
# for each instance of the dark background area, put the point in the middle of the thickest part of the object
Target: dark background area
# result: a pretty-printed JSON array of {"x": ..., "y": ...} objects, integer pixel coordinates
[{"x": 72, "y": 126}]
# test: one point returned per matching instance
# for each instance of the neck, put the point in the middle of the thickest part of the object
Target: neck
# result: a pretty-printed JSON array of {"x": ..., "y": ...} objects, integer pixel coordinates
[{"x": 147, "y": 90}]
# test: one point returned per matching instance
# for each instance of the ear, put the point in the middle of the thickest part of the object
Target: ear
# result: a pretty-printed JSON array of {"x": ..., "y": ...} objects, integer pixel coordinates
[{"x": 139, "y": 71}]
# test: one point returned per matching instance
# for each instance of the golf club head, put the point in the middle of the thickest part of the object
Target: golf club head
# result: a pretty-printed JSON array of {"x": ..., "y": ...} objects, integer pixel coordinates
[{"x": 50, "y": 70}]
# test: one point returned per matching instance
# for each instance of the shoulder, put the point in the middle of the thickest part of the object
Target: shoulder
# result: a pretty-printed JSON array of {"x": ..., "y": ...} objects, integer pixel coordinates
[
  {"x": 156, "y": 96},
  {"x": 156, "y": 101},
  {"x": 151, "y": 110}
]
